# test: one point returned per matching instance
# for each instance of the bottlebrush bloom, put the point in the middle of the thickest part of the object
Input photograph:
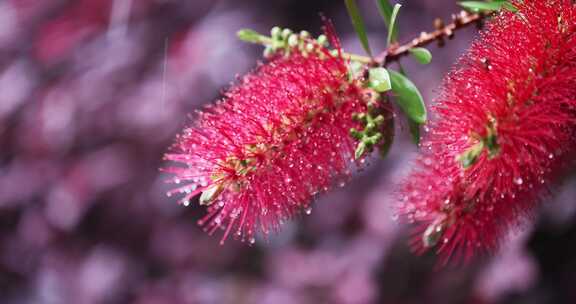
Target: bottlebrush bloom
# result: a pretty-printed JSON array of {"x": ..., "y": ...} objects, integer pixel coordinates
[
  {"x": 503, "y": 131},
  {"x": 278, "y": 138}
]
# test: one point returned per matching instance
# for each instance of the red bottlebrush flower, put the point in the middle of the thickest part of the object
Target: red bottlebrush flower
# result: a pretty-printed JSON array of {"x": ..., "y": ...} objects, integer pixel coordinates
[
  {"x": 503, "y": 130},
  {"x": 278, "y": 138}
]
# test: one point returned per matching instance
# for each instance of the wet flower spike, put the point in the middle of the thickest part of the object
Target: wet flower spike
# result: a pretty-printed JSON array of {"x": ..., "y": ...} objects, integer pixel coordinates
[
  {"x": 279, "y": 137},
  {"x": 504, "y": 129}
]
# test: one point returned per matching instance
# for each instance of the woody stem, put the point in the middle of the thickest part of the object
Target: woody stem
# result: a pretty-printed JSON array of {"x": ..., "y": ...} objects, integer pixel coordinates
[{"x": 443, "y": 31}]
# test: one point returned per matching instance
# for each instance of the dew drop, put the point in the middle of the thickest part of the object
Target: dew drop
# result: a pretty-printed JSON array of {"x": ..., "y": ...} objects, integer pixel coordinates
[
  {"x": 551, "y": 155},
  {"x": 518, "y": 181},
  {"x": 308, "y": 211},
  {"x": 252, "y": 241}
]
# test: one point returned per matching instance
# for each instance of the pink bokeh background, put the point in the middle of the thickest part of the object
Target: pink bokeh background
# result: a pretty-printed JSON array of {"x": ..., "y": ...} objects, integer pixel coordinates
[{"x": 92, "y": 92}]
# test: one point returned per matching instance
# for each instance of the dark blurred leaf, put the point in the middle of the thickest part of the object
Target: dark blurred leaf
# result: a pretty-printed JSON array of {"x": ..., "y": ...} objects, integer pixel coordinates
[
  {"x": 408, "y": 97},
  {"x": 386, "y": 9},
  {"x": 386, "y": 145},
  {"x": 392, "y": 26},
  {"x": 358, "y": 23},
  {"x": 414, "y": 131},
  {"x": 421, "y": 55}
]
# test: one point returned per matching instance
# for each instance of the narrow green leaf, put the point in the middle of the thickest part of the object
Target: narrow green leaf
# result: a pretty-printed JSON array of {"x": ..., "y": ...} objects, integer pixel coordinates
[
  {"x": 408, "y": 97},
  {"x": 392, "y": 25},
  {"x": 480, "y": 6},
  {"x": 385, "y": 9},
  {"x": 422, "y": 55},
  {"x": 358, "y": 23},
  {"x": 379, "y": 80},
  {"x": 249, "y": 35}
]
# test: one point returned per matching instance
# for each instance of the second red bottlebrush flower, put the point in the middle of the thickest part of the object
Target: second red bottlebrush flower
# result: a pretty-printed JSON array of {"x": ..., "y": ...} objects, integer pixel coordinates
[
  {"x": 503, "y": 131},
  {"x": 279, "y": 137}
]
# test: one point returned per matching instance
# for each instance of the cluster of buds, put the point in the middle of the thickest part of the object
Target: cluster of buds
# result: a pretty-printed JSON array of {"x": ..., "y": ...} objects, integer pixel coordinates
[
  {"x": 376, "y": 127},
  {"x": 284, "y": 41}
]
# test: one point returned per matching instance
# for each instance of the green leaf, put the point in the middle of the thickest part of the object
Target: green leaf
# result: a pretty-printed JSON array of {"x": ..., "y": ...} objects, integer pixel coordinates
[
  {"x": 249, "y": 35},
  {"x": 392, "y": 25},
  {"x": 408, "y": 97},
  {"x": 385, "y": 9},
  {"x": 509, "y": 6},
  {"x": 379, "y": 80},
  {"x": 422, "y": 55},
  {"x": 481, "y": 6},
  {"x": 358, "y": 23}
]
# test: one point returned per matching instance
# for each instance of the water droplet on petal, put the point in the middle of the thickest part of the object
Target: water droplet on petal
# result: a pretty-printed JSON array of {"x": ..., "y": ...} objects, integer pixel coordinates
[{"x": 518, "y": 181}]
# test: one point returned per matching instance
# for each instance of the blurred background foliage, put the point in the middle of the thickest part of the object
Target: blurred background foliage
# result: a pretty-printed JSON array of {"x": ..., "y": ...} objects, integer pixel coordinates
[{"x": 92, "y": 92}]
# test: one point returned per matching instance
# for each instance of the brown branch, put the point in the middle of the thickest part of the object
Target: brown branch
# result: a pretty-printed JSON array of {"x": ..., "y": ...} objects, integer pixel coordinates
[{"x": 461, "y": 20}]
